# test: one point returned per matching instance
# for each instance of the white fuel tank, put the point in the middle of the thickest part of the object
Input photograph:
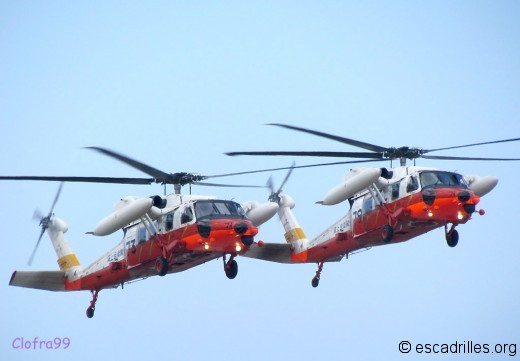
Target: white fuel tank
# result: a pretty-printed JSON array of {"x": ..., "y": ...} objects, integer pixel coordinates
[
  {"x": 260, "y": 213},
  {"x": 354, "y": 182},
  {"x": 481, "y": 186},
  {"x": 126, "y": 212}
]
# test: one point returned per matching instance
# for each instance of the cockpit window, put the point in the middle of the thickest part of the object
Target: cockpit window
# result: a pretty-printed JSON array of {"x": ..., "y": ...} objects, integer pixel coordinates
[
  {"x": 169, "y": 222},
  {"x": 218, "y": 209},
  {"x": 435, "y": 179},
  {"x": 187, "y": 215},
  {"x": 412, "y": 185}
]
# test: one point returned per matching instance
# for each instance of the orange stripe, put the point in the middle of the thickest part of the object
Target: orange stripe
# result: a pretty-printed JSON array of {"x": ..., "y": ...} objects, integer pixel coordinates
[
  {"x": 294, "y": 235},
  {"x": 299, "y": 257},
  {"x": 68, "y": 261}
]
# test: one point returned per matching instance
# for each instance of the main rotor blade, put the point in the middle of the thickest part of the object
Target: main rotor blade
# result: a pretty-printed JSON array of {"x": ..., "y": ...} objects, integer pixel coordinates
[
  {"x": 313, "y": 154},
  {"x": 36, "y": 247},
  {"x": 227, "y": 185},
  {"x": 440, "y": 157},
  {"x": 474, "y": 144},
  {"x": 84, "y": 179},
  {"x": 156, "y": 173},
  {"x": 355, "y": 143},
  {"x": 295, "y": 167}
]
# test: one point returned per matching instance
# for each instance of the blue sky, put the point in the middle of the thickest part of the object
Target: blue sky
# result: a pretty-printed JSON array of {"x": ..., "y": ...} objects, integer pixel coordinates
[{"x": 177, "y": 84}]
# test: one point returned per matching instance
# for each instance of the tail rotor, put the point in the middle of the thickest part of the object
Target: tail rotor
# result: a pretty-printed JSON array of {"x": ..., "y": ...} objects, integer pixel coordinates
[
  {"x": 44, "y": 222},
  {"x": 275, "y": 195},
  {"x": 261, "y": 213}
]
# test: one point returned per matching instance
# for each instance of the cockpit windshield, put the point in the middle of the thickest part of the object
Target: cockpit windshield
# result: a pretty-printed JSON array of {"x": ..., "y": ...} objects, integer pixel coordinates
[
  {"x": 218, "y": 209},
  {"x": 436, "y": 179}
]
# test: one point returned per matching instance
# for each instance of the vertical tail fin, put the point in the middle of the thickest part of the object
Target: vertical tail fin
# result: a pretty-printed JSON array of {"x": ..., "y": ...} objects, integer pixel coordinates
[
  {"x": 296, "y": 249},
  {"x": 294, "y": 234},
  {"x": 67, "y": 260}
]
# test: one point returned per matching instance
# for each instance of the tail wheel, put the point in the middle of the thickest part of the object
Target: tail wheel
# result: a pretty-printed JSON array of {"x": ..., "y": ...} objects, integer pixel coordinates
[
  {"x": 452, "y": 238},
  {"x": 316, "y": 279},
  {"x": 387, "y": 233},
  {"x": 92, "y": 306},
  {"x": 231, "y": 269},
  {"x": 161, "y": 266}
]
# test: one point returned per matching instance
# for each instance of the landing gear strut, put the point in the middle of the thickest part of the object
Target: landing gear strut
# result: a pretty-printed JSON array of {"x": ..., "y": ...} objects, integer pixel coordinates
[
  {"x": 230, "y": 267},
  {"x": 316, "y": 280},
  {"x": 92, "y": 307},
  {"x": 162, "y": 263},
  {"x": 452, "y": 236}
]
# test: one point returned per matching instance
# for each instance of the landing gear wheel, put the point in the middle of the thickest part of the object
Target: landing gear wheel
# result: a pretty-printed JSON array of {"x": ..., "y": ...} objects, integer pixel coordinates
[
  {"x": 90, "y": 312},
  {"x": 315, "y": 282},
  {"x": 387, "y": 233},
  {"x": 161, "y": 266},
  {"x": 452, "y": 238},
  {"x": 231, "y": 269}
]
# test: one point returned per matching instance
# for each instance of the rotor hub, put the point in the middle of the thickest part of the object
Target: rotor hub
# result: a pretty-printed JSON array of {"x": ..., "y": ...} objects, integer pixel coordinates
[{"x": 403, "y": 153}]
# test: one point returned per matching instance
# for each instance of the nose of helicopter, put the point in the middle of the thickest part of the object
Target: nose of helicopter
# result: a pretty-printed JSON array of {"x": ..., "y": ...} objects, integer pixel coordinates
[
  {"x": 223, "y": 233},
  {"x": 445, "y": 204}
]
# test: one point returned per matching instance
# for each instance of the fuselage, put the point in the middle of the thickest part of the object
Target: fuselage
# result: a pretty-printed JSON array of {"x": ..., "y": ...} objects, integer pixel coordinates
[
  {"x": 189, "y": 231},
  {"x": 412, "y": 201}
]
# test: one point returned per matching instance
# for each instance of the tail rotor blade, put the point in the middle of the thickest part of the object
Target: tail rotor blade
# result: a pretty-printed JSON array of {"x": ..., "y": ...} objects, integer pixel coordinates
[
  {"x": 36, "y": 247},
  {"x": 38, "y": 215},
  {"x": 44, "y": 222},
  {"x": 287, "y": 176},
  {"x": 270, "y": 184},
  {"x": 56, "y": 198},
  {"x": 275, "y": 195}
]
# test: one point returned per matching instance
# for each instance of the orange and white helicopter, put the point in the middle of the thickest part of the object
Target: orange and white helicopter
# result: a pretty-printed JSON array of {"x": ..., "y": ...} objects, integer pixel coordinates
[
  {"x": 386, "y": 205},
  {"x": 161, "y": 234}
]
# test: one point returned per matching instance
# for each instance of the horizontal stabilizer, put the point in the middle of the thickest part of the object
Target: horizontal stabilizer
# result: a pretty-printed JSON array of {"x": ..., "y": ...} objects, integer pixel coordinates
[
  {"x": 42, "y": 280},
  {"x": 274, "y": 252}
]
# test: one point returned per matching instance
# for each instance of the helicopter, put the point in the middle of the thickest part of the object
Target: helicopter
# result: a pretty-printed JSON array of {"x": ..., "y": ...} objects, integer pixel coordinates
[
  {"x": 386, "y": 206},
  {"x": 161, "y": 234}
]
